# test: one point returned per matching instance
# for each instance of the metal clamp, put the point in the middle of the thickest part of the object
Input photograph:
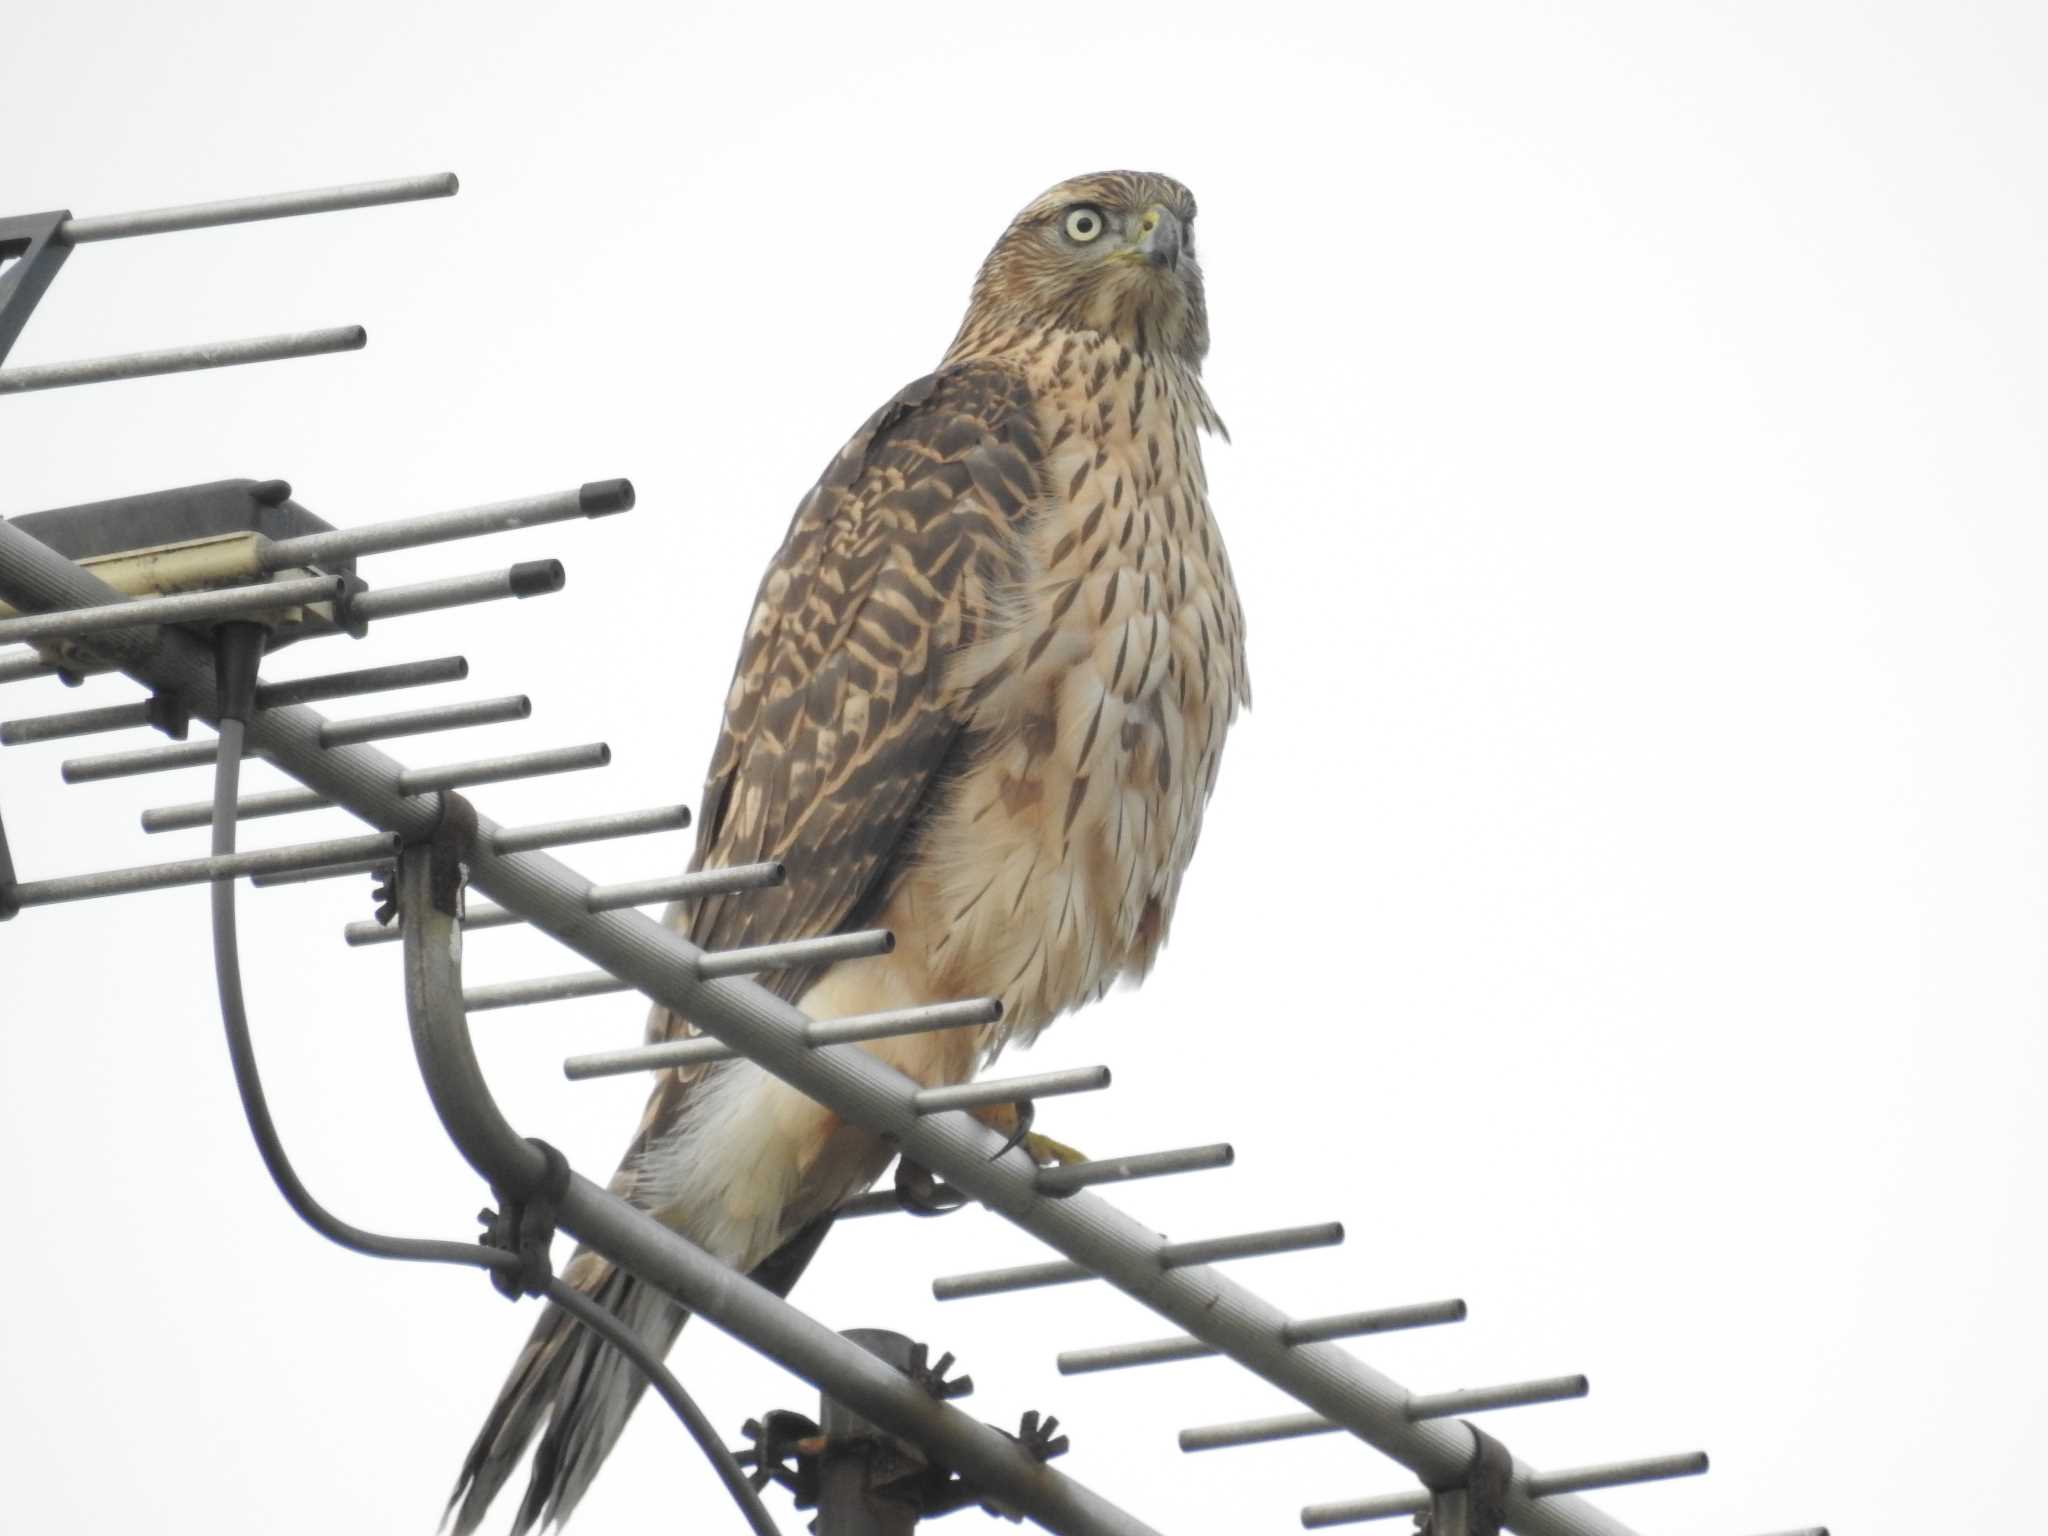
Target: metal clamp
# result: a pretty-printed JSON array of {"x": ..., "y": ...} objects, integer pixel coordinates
[
  {"x": 524, "y": 1223},
  {"x": 865, "y": 1481},
  {"x": 1477, "y": 1505}
]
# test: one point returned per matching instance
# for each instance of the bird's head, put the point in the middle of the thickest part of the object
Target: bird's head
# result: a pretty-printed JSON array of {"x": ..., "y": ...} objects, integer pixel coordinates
[{"x": 1113, "y": 252}]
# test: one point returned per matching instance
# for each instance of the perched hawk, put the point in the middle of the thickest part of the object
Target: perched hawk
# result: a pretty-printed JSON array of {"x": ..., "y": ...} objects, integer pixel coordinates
[{"x": 980, "y": 702}]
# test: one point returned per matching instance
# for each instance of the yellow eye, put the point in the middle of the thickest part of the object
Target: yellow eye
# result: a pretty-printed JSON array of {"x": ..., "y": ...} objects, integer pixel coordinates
[{"x": 1084, "y": 224}]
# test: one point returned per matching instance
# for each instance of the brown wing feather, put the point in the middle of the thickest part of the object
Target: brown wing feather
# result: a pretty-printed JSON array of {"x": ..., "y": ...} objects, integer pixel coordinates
[
  {"x": 839, "y": 722},
  {"x": 840, "y": 725}
]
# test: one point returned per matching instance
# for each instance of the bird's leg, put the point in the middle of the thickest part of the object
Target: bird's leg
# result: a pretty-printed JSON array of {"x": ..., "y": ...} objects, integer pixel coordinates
[{"x": 1014, "y": 1121}]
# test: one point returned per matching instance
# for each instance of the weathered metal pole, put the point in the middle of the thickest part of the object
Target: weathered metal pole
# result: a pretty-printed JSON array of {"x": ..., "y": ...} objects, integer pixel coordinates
[{"x": 861, "y": 1458}]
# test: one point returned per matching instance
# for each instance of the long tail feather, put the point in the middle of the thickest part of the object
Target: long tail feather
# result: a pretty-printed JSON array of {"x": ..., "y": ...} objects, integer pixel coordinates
[{"x": 584, "y": 1389}]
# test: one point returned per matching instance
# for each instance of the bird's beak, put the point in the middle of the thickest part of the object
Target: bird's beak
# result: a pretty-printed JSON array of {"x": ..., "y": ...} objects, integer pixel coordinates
[{"x": 1158, "y": 238}]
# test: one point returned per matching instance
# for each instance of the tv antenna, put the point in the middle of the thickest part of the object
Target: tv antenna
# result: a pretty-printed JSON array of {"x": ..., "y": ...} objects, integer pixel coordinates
[{"x": 187, "y": 592}]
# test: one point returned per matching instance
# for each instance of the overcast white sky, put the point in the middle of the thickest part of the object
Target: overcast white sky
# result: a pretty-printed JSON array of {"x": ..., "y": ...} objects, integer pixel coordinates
[{"x": 1624, "y": 907}]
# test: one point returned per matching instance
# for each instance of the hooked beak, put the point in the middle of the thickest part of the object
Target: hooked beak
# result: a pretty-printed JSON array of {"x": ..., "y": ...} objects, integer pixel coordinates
[{"x": 1159, "y": 238}]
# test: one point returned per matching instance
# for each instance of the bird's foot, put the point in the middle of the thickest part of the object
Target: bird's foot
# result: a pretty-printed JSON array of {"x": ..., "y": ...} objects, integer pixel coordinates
[
  {"x": 1014, "y": 1121},
  {"x": 919, "y": 1193}
]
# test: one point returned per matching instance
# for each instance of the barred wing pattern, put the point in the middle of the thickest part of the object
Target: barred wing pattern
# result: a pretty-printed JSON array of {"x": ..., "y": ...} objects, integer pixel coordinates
[{"x": 841, "y": 726}]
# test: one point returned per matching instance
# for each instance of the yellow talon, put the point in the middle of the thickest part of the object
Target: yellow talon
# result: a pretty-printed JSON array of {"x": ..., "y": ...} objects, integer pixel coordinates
[
  {"x": 1014, "y": 1121},
  {"x": 1048, "y": 1153}
]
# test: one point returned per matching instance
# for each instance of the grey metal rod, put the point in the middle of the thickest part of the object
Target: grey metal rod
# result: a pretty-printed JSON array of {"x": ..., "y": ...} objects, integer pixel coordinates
[
  {"x": 416, "y": 722},
  {"x": 778, "y": 957},
  {"x": 726, "y": 881},
  {"x": 1286, "y": 1426},
  {"x": 150, "y": 877},
  {"x": 864, "y": 1026},
  {"x": 1251, "y": 1245},
  {"x": 121, "y": 765},
  {"x": 84, "y": 770},
  {"x": 301, "y": 690},
  {"x": 332, "y": 872},
  {"x": 197, "y": 813},
  {"x": 728, "y": 1300},
  {"x": 1204, "y": 1251},
  {"x": 1117, "y": 1357},
  {"x": 412, "y": 781},
  {"x": 184, "y": 608},
  {"x": 1145, "y": 1165},
  {"x": 646, "y": 1058},
  {"x": 1614, "y": 1474},
  {"x": 1010, "y": 1090},
  {"x": 1514, "y": 1394},
  {"x": 596, "y": 499},
  {"x": 1348, "y": 1325},
  {"x": 333, "y": 685},
  {"x": 602, "y": 898},
  {"x": 342, "y": 685},
  {"x": 1537, "y": 1485},
  {"x": 589, "y": 829},
  {"x": 218, "y": 354},
  {"x": 542, "y": 989},
  {"x": 738, "y": 962},
  {"x": 922, "y": 1019},
  {"x": 1390, "y": 1506},
  {"x": 1205, "y": 1303},
  {"x": 73, "y": 722},
  {"x": 245, "y": 210},
  {"x": 530, "y": 578},
  {"x": 496, "y": 770},
  {"x": 25, "y": 665}
]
